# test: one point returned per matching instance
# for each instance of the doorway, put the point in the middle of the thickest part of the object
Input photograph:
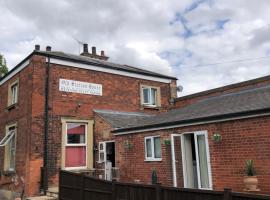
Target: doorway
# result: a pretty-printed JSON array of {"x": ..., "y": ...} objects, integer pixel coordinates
[
  {"x": 107, "y": 156},
  {"x": 195, "y": 160}
]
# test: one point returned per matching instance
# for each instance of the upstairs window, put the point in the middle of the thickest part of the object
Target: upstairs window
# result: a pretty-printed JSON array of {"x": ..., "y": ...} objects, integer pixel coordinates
[
  {"x": 150, "y": 96},
  {"x": 152, "y": 148},
  {"x": 13, "y": 92}
]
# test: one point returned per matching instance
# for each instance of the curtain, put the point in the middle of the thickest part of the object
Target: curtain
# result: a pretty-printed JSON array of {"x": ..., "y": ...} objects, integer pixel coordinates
[
  {"x": 75, "y": 156},
  {"x": 148, "y": 148},
  {"x": 157, "y": 147},
  {"x": 203, "y": 161}
]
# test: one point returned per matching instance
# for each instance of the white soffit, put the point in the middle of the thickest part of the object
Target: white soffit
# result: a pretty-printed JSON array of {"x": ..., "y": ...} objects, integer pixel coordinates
[{"x": 107, "y": 70}]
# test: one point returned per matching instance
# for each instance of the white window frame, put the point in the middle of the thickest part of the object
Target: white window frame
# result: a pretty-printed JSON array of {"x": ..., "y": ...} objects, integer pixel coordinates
[
  {"x": 152, "y": 158},
  {"x": 7, "y": 138},
  {"x": 11, "y": 134},
  {"x": 77, "y": 145},
  {"x": 150, "y": 103},
  {"x": 205, "y": 134},
  {"x": 14, "y": 93},
  {"x": 196, "y": 133},
  {"x": 101, "y": 151}
]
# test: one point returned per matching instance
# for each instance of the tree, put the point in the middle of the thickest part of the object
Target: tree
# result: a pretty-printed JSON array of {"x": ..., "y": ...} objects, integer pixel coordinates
[{"x": 3, "y": 66}]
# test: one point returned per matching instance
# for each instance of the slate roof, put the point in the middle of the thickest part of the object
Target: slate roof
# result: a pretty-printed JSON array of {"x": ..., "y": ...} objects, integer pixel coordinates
[
  {"x": 123, "y": 119},
  {"x": 102, "y": 63},
  {"x": 244, "y": 103},
  {"x": 90, "y": 61}
]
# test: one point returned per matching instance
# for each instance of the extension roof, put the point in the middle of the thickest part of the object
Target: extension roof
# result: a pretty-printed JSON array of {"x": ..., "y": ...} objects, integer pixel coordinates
[{"x": 243, "y": 103}]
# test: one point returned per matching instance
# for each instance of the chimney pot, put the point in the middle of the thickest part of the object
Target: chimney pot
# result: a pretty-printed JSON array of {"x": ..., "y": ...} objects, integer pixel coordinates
[
  {"x": 85, "y": 48},
  {"x": 94, "y": 51},
  {"x": 102, "y": 53},
  {"x": 37, "y": 47},
  {"x": 48, "y": 48}
]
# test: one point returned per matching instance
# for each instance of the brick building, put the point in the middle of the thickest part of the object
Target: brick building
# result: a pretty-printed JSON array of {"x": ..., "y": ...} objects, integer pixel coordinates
[
  {"x": 179, "y": 144},
  {"x": 46, "y": 110},
  {"x": 83, "y": 113}
]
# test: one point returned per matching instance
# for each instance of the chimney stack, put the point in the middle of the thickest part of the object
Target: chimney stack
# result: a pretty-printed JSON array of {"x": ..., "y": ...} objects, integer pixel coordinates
[
  {"x": 85, "y": 48},
  {"x": 94, "y": 51},
  {"x": 48, "y": 48},
  {"x": 37, "y": 47},
  {"x": 93, "y": 54},
  {"x": 102, "y": 53}
]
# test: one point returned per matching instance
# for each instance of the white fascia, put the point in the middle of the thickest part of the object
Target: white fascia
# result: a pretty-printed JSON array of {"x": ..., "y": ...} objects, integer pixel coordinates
[
  {"x": 107, "y": 70},
  {"x": 19, "y": 68}
]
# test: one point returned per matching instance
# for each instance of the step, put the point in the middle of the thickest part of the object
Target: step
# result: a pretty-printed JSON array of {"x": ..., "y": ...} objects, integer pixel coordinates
[
  {"x": 52, "y": 192},
  {"x": 41, "y": 198}
]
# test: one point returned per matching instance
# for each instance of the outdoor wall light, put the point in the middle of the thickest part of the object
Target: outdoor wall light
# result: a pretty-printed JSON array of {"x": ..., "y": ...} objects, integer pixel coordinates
[
  {"x": 127, "y": 144},
  {"x": 216, "y": 137}
]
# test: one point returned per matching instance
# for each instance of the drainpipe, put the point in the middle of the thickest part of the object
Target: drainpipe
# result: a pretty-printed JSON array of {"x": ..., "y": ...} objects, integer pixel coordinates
[{"x": 46, "y": 130}]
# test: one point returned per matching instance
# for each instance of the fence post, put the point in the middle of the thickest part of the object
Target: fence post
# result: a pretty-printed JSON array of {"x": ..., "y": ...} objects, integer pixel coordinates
[
  {"x": 113, "y": 191},
  {"x": 82, "y": 187},
  {"x": 227, "y": 194},
  {"x": 158, "y": 192}
]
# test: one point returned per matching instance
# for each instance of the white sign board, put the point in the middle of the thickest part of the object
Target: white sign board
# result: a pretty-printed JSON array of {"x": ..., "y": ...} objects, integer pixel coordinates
[{"x": 80, "y": 87}]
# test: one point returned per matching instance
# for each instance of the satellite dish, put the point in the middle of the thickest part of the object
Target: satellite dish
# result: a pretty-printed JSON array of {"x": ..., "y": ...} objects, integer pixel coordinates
[{"x": 179, "y": 88}]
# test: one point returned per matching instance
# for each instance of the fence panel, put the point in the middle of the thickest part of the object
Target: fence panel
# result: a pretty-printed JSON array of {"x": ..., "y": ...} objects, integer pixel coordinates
[
  {"x": 74, "y": 186},
  {"x": 97, "y": 189},
  {"x": 69, "y": 186}
]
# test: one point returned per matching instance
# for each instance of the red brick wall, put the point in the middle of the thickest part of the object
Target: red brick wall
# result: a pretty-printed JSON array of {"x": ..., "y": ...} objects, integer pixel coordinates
[
  {"x": 21, "y": 114},
  {"x": 241, "y": 140},
  {"x": 189, "y": 99},
  {"x": 119, "y": 93}
]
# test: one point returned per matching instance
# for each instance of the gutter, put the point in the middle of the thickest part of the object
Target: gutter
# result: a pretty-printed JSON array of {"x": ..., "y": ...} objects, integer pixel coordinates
[{"x": 193, "y": 122}]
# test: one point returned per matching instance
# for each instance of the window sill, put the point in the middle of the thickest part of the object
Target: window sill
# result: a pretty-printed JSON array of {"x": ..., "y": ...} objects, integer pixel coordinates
[
  {"x": 8, "y": 173},
  {"x": 12, "y": 106},
  {"x": 153, "y": 160},
  {"x": 150, "y": 107}
]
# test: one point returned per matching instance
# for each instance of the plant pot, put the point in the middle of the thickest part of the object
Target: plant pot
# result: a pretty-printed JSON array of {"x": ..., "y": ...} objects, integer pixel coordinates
[{"x": 251, "y": 183}]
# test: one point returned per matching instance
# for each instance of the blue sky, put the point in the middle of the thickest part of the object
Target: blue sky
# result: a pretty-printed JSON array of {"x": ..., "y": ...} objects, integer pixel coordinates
[{"x": 173, "y": 37}]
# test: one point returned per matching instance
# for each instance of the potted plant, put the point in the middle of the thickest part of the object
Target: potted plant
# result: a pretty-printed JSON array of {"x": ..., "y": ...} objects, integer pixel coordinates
[{"x": 250, "y": 180}]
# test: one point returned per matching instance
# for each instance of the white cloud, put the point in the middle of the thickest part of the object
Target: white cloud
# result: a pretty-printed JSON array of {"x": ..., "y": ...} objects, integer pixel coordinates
[{"x": 148, "y": 34}]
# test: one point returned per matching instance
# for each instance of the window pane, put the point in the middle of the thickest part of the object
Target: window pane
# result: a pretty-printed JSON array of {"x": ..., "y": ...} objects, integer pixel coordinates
[
  {"x": 101, "y": 146},
  {"x": 11, "y": 150},
  {"x": 146, "y": 95},
  {"x": 14, "y": 89},
  {"x": 203, "y": 161},
  {"x": 75, "y": 133},
  {"x": 101, "y": 157},
  {"x": 75, "y": 156},
  {"x": 153, "y": 96},
  {"x": 148, "y": 148},
  {"x": 157, "y": 147}
]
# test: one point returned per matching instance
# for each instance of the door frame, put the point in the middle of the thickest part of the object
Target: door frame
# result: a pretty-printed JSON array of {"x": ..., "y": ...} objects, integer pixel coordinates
[
  {"x": 105, "y": 153},
  {"x": 173, "y": 158},
  {"x": 207, "y": 157},
  {"x": 181, "y": 135}
]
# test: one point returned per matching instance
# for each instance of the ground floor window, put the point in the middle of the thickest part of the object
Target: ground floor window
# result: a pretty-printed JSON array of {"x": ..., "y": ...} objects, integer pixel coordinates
[
  {"x": 9, "y": 142},
  {"x": 152, "y": 148},
  {"x": 77, "y": 144}
]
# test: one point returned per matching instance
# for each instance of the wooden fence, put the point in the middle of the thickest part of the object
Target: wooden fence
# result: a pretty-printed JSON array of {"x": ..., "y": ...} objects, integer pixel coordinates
[{"x": 73, "y": 186}]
